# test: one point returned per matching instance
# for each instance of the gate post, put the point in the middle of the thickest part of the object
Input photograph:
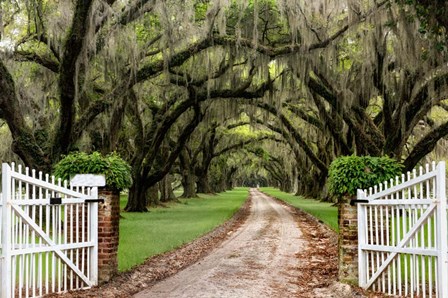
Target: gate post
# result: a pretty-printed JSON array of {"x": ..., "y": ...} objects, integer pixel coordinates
[
  {"x": 362, "y": 239},
  {"x": 6, "y": 232},
  {"x": 94, "y": 237},
  {"x": 348, "y": 242},
  {"x": 442, "y": 258},
  {"x": 108, "y": 228}
]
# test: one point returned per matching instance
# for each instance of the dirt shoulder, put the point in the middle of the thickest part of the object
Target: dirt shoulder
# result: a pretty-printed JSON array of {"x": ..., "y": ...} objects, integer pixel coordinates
[{"x": 319, "y": 260}]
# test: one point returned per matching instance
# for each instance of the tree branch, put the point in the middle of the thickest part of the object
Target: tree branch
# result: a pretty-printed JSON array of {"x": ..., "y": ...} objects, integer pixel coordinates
[
  {"x": 363, "y": 138},
  {"x": 314, "y": 121},
  {"x": 46, "y": 62},
  {"x": 67, "y": 78},
  {"x": 425, "y": 146},
  {"x": 156, "y": 176},
  {"x": 24, "y": 144},
  {"x": 295, "y": 134},
  {"x": 240, "y": 145}
]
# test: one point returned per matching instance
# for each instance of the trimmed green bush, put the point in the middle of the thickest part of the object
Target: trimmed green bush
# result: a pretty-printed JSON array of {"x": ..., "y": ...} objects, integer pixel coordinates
[
  {"x": 348, "y": 173},
  {"x": 112, "y": 166}
]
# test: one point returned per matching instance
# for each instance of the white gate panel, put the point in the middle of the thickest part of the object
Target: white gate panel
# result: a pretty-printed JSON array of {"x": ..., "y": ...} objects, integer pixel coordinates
[
  {"x": 402, "y": 235},
  {"x": 49, "y": 234}
]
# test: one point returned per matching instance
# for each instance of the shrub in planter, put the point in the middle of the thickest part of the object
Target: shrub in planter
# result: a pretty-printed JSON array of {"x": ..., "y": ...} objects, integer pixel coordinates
[
  {"x": 118, "y": 177},
  {"x": 348, "y": 173},
  {"x": 112, "y": 166}
]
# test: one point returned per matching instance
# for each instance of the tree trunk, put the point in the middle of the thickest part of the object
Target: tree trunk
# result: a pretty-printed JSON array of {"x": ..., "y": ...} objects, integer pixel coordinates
[
  {"x": 311, "y": 185},
  {"x": 204, "y": 184},
  {"x": 218, "y": 185},
  {"x": 222, "y": 185},
  {"x": 295, "y": 181},
  {"x": 229, "y": 178},
  {"x": 68, "y": 75},
  {"x": 189, "y": 184},
  {"x": 24, "y": 144},
  {"x": 153, "y": 196},
  {"x": 163, "y": 191},
  {"x": 137, "y": 196},
  {"x": 188, "y": 177},
  {"x": 166, "y": 190},
  {"x": 171, "y": 194},
  {"x": 288, "y": 186},
  {"x": 285, "y": 185}
]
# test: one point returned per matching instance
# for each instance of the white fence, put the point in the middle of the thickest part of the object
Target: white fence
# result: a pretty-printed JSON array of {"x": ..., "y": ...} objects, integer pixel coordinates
[
  {"x": 48, "y": 234},
  {"x": 402, "y": 233}
]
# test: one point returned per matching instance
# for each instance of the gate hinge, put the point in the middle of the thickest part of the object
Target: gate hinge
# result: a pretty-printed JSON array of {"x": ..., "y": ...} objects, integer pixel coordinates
[
  {"x": 55, "y": 201},
  {"x": 355, "y": 201},
  {"x": 94, "y": 201}
]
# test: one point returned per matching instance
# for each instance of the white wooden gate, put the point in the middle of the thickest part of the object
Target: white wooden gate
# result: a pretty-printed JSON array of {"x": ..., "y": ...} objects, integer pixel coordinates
[
  {"x": 402, "y": 233},
  {"x": 48, "y": 234}
]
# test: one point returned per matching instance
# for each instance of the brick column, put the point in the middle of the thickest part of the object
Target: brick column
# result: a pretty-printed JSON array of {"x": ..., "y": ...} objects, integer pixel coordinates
[
  {"x": 108, "y": 227},
  {"x": 348, "y": 243}
]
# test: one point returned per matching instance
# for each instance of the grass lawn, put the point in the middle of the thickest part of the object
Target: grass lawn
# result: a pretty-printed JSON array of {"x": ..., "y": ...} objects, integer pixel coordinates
[
  {"x": 321, "y": 210},
  {"x": 143, "y": 235}
]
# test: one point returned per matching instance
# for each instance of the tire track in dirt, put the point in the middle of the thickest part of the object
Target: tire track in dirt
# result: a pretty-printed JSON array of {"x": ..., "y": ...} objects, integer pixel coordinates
[{"x": 257, "y": 260}]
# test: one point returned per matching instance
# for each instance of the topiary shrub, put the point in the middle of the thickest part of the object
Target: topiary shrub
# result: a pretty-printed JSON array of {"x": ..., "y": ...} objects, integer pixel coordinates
[
  {"x": 112, "y": 166},
  {"x": 348, "y": 173}
]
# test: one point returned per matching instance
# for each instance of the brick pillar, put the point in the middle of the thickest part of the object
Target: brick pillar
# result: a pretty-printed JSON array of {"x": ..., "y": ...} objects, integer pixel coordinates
[
  {"x": 108, "y": 227},
  {"x": 348, "y": 243}
]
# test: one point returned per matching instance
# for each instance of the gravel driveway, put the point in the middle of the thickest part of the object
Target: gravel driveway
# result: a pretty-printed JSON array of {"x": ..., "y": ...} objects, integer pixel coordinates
[
  {"x": 257, "y": 260},
  {"x": 268, "y": 249}
]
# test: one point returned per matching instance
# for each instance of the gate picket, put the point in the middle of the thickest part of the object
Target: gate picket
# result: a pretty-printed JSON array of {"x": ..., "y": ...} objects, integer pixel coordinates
[
  {"x": 411, "y": 213},
  {"x": 48, "y": 235}
]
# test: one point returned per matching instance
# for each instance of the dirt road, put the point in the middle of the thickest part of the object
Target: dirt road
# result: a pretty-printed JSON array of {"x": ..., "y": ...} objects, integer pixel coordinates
[
  {"x": 258, "y": 260},
  {"x": 266, "y": 250}
]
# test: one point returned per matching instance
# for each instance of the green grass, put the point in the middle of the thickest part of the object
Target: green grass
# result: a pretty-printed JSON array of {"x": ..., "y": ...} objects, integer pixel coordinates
[
  {"x": 321, "y": 210},
  {"x": 143, "y": 235},
  {"x": 425, "y": 235}
]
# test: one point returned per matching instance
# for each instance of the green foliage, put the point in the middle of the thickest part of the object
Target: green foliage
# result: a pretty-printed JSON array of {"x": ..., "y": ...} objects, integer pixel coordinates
[
  {"x": 431, "y": 14},
  {"x": 116, "y": 170},
  {"x": 349, "y": 173},
  {"x": 261, "y": 153},
  {"x": 201, "y": 10},
  {"x": 245, "y": 133},
  {"x": 273, "y": 25}
]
